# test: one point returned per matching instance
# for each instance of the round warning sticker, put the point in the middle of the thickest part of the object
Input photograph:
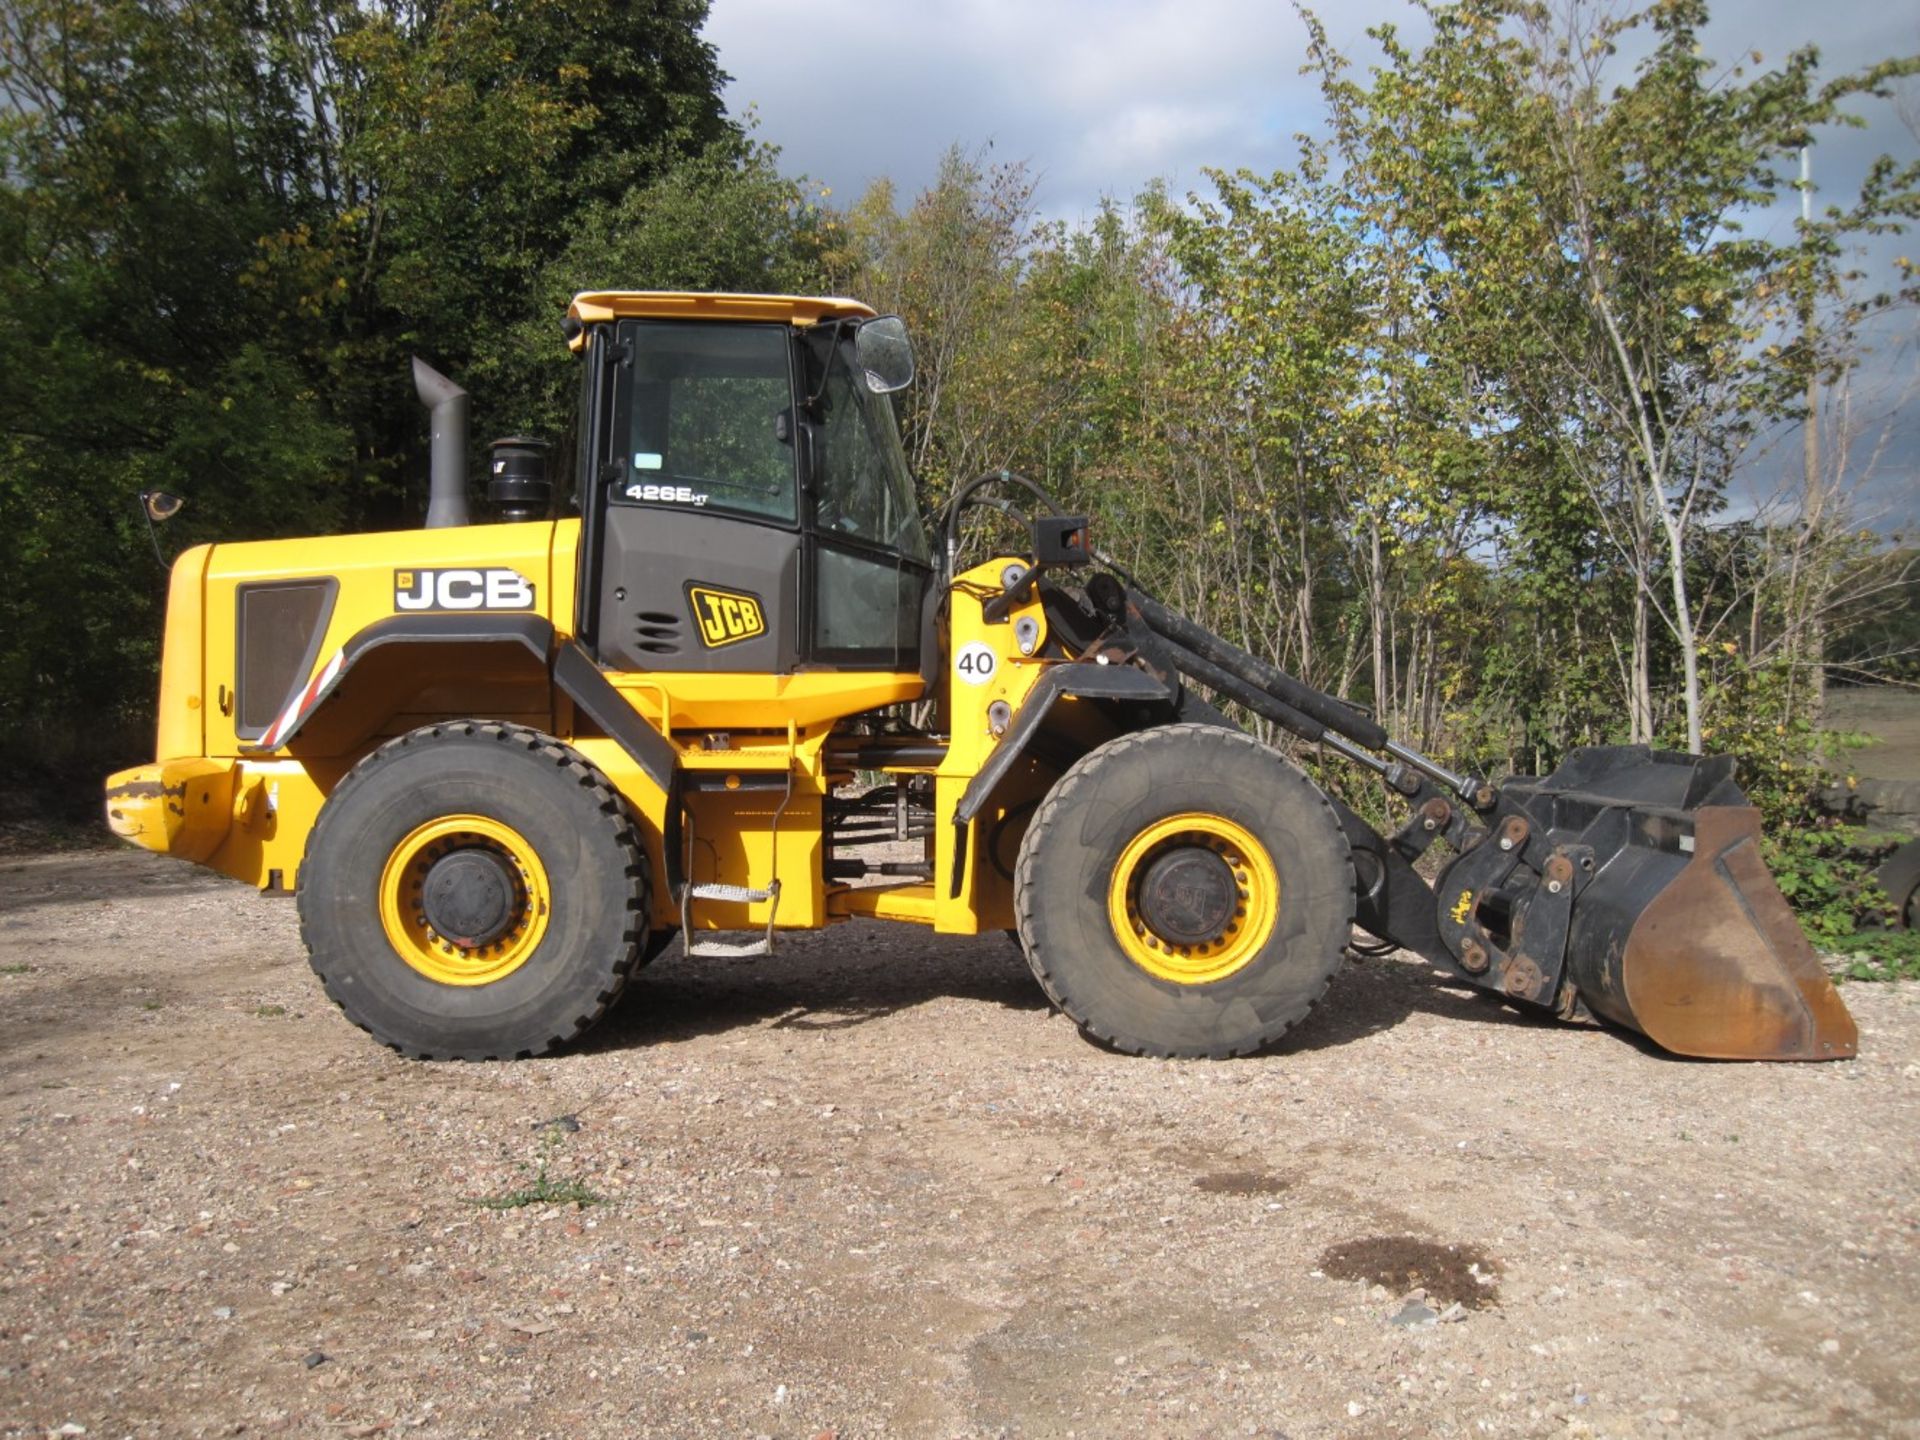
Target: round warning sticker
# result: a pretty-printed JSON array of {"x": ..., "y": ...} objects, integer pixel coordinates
[{"x": 974, "y": 664}]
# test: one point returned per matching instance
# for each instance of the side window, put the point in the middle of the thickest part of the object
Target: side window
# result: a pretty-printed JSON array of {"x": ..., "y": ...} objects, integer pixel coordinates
[
  {"x": 869, "y": 564},
  {"x": 707, "y": 410},
  {"x": 868, "y": 609},
  {"x": 865, "y": 493},
  {"x": 853, "y": 483}
]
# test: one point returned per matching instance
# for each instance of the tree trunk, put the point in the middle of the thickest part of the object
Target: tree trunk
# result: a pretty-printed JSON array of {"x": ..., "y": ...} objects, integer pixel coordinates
[
  {"x": 1640, "y": 677},
  {"x": 1817, "y": 631},
  {"x": 1377, "y": 624}
]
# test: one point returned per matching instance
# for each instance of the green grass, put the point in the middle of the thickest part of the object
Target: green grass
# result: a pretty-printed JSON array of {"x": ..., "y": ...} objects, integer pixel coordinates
[
  {"x": 543, "y": 1188},
  {"x": 1880, "y": 955},
  {"x": 19, "y": 968},
  {"x": 269, "y": 1012}
]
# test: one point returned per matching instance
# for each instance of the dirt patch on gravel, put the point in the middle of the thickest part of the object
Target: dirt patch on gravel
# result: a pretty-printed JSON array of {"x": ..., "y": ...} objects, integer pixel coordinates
[
  {"x": 871, "y": 1186},
  {"x": 1449, "y": 1274},
  {"x": 1241, "y": 1182}
]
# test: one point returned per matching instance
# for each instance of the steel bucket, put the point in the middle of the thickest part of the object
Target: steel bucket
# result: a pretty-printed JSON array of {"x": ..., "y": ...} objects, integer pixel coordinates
[{"x": 1630, "y": 883}]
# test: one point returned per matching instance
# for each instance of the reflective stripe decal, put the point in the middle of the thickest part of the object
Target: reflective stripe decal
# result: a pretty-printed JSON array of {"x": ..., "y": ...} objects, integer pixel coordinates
[{"x": 303, "y": 702}]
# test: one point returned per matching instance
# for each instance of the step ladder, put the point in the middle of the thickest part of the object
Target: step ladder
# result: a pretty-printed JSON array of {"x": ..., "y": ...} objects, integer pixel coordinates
[
  {"x": 740, "y": 895},
  {"x": 733, "y": 894}
]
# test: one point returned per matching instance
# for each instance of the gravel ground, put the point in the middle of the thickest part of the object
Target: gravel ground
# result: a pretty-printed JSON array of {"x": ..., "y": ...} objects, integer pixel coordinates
[{"x": 873, "y": 1187}]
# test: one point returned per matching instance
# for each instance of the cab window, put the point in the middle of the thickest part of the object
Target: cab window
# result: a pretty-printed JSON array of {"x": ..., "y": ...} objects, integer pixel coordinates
[
  {"x": 865, "y": 493},
  {"x": 709, "y": 419}
]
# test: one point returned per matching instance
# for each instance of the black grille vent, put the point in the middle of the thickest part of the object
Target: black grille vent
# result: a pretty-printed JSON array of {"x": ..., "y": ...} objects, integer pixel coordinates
[
  {"x": 281, "y": 624},
  {"x": 656, "y": 633}
]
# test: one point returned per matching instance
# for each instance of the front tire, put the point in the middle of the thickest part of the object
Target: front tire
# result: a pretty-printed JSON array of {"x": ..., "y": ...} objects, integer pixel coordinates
[
  {"x": 474, "y": 891},
  {"x": 1184, "y": 891}
]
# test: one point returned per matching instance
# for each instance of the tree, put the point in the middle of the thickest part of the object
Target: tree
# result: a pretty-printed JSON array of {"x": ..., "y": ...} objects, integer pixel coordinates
[
  {"x": 951, "y": 265},
  {"x": 226, "y": 225},
  {"x": 1594, "y": 246}
]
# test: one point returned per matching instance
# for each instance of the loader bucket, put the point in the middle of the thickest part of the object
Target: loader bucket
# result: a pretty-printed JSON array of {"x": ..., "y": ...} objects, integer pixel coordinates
[{"x": 1672, "y": 924}]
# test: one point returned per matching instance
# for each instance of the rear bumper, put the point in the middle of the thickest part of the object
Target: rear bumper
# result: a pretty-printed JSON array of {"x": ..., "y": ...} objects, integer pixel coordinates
[{"x": 182, "y": 808}]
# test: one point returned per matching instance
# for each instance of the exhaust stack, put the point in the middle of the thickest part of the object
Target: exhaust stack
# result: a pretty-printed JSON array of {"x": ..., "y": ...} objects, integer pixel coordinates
[{"x": 447, "y": 472}]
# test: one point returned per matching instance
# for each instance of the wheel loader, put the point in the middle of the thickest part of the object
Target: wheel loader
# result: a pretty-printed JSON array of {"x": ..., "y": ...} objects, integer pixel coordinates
[{"x": 738, "y": 689}]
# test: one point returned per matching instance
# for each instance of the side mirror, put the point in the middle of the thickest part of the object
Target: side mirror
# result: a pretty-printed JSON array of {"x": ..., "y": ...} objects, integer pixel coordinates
[
  {"x": 159, "y": 505},
  {"x": 884, "y": 352}
]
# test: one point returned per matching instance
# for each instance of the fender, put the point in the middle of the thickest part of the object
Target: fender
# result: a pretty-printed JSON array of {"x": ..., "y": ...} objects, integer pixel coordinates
[
  {"x": 533, "y": 632},
  {"x": 1089, "y": 682},
  {"x": 576, "y": 674},
  {"x": 570, "y": 669}
]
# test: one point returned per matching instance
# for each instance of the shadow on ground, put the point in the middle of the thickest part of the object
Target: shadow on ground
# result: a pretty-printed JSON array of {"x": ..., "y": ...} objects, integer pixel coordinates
[
  {"x": 1369, "y": 997},
  {"x": 79, "y": 876},
  {"x": 839, "y": 980},
  {"x": 861, "y": 973}
]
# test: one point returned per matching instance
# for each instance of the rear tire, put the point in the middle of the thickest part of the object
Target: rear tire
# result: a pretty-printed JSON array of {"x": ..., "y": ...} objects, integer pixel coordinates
[
  {"x": 474, "y": 891},
  {"x": 1184, "y": 891}
]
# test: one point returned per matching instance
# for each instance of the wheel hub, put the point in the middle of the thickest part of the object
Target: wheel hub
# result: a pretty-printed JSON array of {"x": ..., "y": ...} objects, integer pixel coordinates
[
  {"x": 469, "y": 896},
  {"x": 1193, "y": 898},
  {"x": 1188, "y": 895}
]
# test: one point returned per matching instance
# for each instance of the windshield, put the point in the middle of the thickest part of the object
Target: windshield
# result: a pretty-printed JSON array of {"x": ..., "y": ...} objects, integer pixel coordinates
[{"x": 865, "y": 493}]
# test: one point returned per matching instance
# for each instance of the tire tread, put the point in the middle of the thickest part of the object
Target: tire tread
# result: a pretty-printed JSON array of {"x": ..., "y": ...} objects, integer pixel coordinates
[
  {"x": 610, "y": 804},
  {"x": 1051, "y": 813}
]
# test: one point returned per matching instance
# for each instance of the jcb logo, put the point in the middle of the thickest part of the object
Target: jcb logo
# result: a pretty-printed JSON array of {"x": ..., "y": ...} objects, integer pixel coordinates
[
  {"x": 489, "y": 589},
  {"x": 725, "y": 616}
]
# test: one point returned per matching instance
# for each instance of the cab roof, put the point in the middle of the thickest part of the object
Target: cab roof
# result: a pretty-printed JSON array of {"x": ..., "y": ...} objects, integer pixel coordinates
[{"x": 594, "y": 307}]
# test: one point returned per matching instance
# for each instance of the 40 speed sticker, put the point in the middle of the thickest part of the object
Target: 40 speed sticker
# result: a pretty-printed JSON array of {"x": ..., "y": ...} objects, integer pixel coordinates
[{"x": 975, "y": 662}]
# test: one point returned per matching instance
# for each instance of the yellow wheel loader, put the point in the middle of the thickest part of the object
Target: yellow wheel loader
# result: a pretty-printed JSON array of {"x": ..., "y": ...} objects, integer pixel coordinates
[{"x": 738, "y": 692}]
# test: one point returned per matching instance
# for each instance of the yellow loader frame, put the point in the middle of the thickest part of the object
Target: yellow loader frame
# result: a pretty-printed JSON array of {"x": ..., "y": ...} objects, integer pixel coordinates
[{"x": 246, "y": 809}]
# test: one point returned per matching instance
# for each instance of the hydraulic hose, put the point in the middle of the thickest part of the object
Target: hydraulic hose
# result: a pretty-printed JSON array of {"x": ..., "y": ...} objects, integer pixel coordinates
[
  {"x": 1234, "y": 688},
  {"x": 1273, "y": 681}
]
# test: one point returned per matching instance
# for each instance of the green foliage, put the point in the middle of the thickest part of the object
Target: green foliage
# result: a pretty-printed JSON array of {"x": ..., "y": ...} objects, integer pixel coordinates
[
  {"x": 1825, "y": 870},
  {"x": 1881, "y": 955},
  {"x": 223, "y": 229},
  {"x": 1756, "y": 713},
  {"x": 542, "y": 1187},
  {"x": 722, "y": 219},
  {"x": 541, "y": 1190}
]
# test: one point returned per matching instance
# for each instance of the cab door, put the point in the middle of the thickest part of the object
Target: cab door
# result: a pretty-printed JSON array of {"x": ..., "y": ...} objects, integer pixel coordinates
[
  {"x": 869, "y": 564},
  {"x": 700, "y": 536}
]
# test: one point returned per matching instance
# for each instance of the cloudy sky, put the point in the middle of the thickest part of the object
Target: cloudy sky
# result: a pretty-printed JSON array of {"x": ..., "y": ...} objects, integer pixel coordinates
[{"x": 1098, "y": 97}]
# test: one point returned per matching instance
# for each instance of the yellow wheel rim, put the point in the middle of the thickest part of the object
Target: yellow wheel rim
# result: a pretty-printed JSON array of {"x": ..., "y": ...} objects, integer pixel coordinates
[
  {"x": 443, "y": 958},
  {"x": 1230, "y": 941}
]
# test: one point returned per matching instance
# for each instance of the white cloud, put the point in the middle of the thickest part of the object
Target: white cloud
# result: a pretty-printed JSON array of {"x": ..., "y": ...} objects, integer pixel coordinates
[{"x": 1097, "y": 98}]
